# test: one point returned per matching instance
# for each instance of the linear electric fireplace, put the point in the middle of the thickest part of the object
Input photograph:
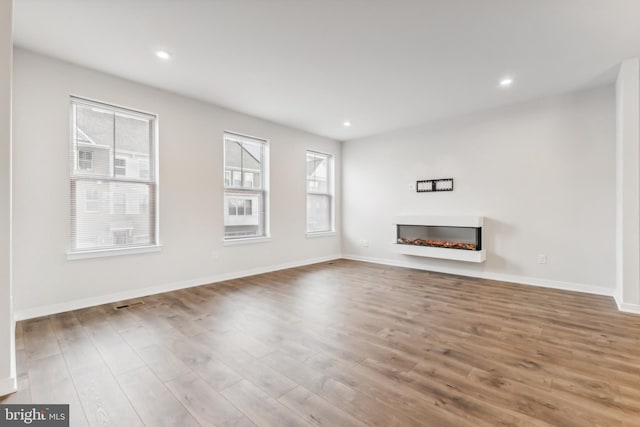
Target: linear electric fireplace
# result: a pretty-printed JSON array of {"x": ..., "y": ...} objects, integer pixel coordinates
[
  {"x": 437, "y": 236},
  {"x": 449, "y": 237}
]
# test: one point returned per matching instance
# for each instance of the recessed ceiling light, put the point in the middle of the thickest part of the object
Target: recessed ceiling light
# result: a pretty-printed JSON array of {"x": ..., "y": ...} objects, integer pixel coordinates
[
  {"x": 163, "y": 54},
  {"x": 347, "y": 124},
  {"x": 506, "y": 82}
]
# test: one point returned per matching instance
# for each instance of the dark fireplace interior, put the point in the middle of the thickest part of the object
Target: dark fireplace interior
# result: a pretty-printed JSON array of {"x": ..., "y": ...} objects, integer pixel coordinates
[{"x": 466, "y": 238}]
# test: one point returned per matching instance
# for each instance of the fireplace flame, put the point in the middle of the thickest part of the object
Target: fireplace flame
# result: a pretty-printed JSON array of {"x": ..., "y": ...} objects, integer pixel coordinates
[{"x": 438, "y": 243}]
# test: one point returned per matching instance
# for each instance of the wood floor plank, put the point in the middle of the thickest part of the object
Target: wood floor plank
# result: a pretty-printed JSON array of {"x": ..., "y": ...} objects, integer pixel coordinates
[
  {"x": 81, "y": 353},
  {"x": 198, "y": 356},
  {"x": 104, "y": 402},
  {"x": 436, "y": 401},
  {"x": 162, "y": 362},
  {"x": 39, "y": 339},
  {"x": 153, "y": 402},
  {"x": 262, "y": 409},
  {"x": 50, "y": 382},
  {"x": 206, "y": 405},
  {"x": 121, "y": 320},
  {"x": 267, "y": 379},
  {"x": 77, "y": 348},
  {"x": 192, "y": 352},
  {"x": 316, "y": 410},
  {"x": 217, "y": 374},
  {"x": 144, "y": 335},
  {"x": 366, "y": 408},
  {"x": 114, "y": 350}
]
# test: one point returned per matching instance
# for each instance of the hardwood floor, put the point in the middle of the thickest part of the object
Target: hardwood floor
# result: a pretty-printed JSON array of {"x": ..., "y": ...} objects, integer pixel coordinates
[{"x": 342, "y": 343}]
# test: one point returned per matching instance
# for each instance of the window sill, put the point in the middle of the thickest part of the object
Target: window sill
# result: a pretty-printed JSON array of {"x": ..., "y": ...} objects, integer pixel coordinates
[
  {"x": 101, "y": 253},
  {"x": 321, "y": 234},
  {"x": 246, "y": 241}
]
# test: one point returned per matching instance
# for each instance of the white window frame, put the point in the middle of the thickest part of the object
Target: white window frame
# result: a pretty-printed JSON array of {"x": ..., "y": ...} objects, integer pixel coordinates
[
  {"x": 77, "y": 175},
  {"x": 232, "y": 190},
  {"x": 329, "y": 194}
]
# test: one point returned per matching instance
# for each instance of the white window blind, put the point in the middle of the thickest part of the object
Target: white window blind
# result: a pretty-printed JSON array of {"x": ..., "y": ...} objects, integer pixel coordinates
[
  {"x": 245, "y": 186},
  {"x": 113, "y": 178},
  {"x": 319, "y": 192}
]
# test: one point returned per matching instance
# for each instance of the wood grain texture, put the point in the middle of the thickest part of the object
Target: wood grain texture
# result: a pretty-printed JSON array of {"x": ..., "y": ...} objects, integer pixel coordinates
[
  {"x": 261, "y": 408},
  {"x": 342, "y": 343},
  {"x": 207, "y": 405},
  {"x": 101, "y": 397},
  {"x": 50, "y": 382},
  {"x": 316, "y": 410},
  {"x": 153, "y": 401}
]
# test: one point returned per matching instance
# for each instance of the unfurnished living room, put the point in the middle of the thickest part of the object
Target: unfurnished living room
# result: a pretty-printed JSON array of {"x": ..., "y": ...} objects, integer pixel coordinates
[{"x": 320, "y": 213}]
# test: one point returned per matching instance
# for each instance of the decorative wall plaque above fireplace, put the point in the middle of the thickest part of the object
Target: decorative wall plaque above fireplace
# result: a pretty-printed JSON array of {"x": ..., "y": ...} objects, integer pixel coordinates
[
  {"x": 429, "y": 185},
  {"x": 447, "y": 237}
]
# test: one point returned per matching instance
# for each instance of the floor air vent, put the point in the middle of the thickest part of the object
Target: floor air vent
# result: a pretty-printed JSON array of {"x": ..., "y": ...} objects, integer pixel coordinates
[{"x": 128, "y": 305}]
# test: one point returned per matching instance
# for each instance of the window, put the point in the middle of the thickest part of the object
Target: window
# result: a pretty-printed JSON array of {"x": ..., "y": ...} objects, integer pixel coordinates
[
  {"x": 319, "y": 192},
  {"x": 121, "y": 166},
  {"x": 240, "y": 207},
  {"x": 119, "y": 203},
  {"x": 245, "y": 193},
  {"x": 237, "y": 178},
  {"x": 121, "y": 237},
  {"x": 248, "y": 180},
  {"x": 92, "y": 200},
  {"x": 85, "y": 159},
  {"x": 143, "y": 168}
]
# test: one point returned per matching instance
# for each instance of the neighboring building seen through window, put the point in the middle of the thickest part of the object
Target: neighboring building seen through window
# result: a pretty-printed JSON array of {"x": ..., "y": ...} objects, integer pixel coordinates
[
  {"x": 85, "y": 160},
  {"x": 113, "y": 187},
  {"x": 245, "y": 186},
  {"x": 319, "y": 192}
]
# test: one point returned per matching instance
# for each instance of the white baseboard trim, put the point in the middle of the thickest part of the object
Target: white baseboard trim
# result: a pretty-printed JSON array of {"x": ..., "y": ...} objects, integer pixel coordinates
[
  {"x": 30, "y": 313},
  {"x": 626, "y": 307},
  {"x": 8, "y": 386},
  {"x": 544, "y": 283}
]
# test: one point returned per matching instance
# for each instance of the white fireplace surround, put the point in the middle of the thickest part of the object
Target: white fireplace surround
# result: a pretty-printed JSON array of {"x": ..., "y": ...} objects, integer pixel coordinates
[{"x": 439, "y": 221}]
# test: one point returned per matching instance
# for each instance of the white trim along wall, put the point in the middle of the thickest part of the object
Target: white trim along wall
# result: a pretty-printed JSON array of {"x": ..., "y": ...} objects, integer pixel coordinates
[{"x": 7, "y": 324}]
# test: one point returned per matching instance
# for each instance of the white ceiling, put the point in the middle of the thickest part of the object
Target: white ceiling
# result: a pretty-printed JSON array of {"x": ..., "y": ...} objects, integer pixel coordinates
[{"x": 312, "y": 64}]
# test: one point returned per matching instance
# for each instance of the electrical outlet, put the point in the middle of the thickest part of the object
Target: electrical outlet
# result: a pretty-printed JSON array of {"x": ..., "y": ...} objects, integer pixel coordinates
[
  {"x": 364, "y": 243},
  {"x": 542, "y": 259}
]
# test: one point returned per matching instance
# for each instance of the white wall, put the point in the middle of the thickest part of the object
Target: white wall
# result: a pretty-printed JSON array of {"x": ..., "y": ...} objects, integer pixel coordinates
[
  {"x": 191, "y": 193},
  {"x": 542, "y": 173},
  {"x": 7, "y": 342},
  {"x": 628, "y": 186}
]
